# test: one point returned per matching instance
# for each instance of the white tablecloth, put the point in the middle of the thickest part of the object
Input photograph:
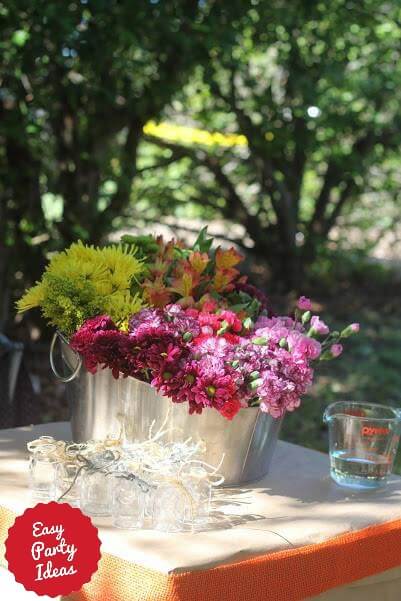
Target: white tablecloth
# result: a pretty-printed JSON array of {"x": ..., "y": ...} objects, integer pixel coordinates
[{"x": 297, "y": 504}]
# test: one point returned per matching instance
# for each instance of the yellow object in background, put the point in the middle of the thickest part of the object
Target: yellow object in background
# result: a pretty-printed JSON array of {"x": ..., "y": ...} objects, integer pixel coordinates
[{"x": 192, "y": 135}]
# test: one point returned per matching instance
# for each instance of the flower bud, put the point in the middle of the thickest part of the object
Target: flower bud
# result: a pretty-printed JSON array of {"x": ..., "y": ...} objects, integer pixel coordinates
[
  {"x": 247, "y": 324},
  {"x": 254, "y": 374},
  {"x": 306, "y": 317},
  {"x": 255, "y": 384},
  {"x": 187, "y": 336},
  {"x": 336, "y": 350},
  {"x": 304, "y": 303},
  {"x": 259, "y": 340},
  {"x": 224, "y": 327},
  {"x": 353, "y": 328},
  {"x": 283, "y": 343}
]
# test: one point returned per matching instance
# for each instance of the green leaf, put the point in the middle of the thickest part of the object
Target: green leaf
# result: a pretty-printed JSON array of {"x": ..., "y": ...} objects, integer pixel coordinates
[{"x": 203, "y": 243}]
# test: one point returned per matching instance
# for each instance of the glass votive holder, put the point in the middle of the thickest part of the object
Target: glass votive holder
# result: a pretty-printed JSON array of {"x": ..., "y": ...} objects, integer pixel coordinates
[
  {"x": 67, "y": 482},
  {"x": 95, "y": 493},
  {"x": 96, "y": 486},
  {"x": 128, "y": 503},
  {"x": 173, "y": 507},
  {"x": 196, "y": 481},
  {"x": 42, "y": 465}
]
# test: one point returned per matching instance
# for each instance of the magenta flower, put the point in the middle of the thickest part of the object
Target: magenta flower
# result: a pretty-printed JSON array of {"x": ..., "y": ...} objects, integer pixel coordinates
[
  {"x": 217, "y": 346},
  {"x": 98, "y": 341},
  {"x": 304, "y": 303},
  {"x": 201, "y": 358}
]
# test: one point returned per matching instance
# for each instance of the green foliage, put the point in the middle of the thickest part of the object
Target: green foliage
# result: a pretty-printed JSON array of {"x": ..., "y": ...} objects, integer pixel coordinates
[
  {"x": 146, "y": 245},
  {"x": 333, "y": 270},
  {"x": 79, "y": 82},
  {"x": 316, "y": 92},
  {"x": 84, "y": 281}
]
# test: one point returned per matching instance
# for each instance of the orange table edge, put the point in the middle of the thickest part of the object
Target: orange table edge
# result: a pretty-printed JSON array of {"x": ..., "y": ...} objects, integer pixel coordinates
[{"x": 288, "y": 575}]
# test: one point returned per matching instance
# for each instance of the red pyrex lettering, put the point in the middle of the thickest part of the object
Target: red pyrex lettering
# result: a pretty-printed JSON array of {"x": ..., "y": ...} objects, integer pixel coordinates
[{"x": 372, "y": 431}]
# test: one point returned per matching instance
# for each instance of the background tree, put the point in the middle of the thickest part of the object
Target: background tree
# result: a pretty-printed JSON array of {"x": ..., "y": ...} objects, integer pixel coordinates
[
  {"x": 79, "y": 81},
  {"x": 316, "y": 92}
]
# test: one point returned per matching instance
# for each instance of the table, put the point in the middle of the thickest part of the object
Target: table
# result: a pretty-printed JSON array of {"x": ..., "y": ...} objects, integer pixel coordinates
[{"x": 291, "y": 536}]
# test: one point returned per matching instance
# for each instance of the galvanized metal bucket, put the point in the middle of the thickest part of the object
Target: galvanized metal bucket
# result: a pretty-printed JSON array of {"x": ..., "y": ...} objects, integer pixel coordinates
[{"x": 102, "y": 406}]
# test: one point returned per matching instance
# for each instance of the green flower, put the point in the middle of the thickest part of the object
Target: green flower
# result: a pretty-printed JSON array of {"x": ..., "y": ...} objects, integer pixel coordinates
[{"x": 84, "y": 281}]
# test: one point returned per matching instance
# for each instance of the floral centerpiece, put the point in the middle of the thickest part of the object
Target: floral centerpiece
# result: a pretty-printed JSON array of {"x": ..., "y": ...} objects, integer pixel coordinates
[{"x": 185, "y": 321}]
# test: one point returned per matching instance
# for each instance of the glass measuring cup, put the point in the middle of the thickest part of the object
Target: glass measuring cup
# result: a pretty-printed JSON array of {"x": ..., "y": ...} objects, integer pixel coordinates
[{"x": 363, "y": 442}]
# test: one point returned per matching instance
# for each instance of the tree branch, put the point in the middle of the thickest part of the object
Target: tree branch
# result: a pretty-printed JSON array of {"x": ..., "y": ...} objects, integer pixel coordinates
[
  {"x": 161, "y": 164},
  {"x": 345, "y": 195},
  {"x": 235, "y": 206},
  {"x": 128, "y": 169}
]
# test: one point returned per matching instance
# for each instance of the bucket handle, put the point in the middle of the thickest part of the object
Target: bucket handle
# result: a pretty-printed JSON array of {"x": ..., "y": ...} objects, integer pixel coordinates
[{"x": 59, "y": 376}]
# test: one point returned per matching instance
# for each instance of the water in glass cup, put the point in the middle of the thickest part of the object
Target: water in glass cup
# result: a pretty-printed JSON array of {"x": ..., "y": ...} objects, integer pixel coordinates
[
  {"x": 369, "y": 471},
  {"x": 363, "y": 441}
]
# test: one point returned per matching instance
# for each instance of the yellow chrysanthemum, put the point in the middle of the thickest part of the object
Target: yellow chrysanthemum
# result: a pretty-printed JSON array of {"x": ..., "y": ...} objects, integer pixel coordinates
[
  {"x": 84, "y": 281},
  {"x": 120, "y": 306},
  {"x": 32, "y": 298}
]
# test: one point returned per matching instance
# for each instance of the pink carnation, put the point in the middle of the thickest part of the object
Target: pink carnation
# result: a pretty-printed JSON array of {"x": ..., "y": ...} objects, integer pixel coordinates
[
  {"x": 304, "y": 303},
  {"x": 319, "y": 326},
  {"x": 303, "y": 346},
  {"x": 180, "y": 352},
  {"x": 336, "y": 349}
]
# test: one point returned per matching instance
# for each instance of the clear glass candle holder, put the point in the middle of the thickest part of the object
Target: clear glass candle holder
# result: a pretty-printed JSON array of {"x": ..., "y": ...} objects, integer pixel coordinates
[
  {"x": 197, "y": 483},
  {"x": 67, "y": 482},
  {"x": 42, "y": 466},
  {"x": 95, "y": 493},
  {"x": 173, "y": 507},
  {"x": 128, "y": 503},
  {"x": 96, "y": 486}
]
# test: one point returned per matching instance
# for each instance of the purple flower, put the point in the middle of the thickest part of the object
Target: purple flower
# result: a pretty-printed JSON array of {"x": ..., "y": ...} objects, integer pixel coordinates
[
  {"x": 180, "y": 353},
  {"x": 183, "y": 324},
  {"x": 217, "y": 346},
  {"x": 172, "y": 320}
]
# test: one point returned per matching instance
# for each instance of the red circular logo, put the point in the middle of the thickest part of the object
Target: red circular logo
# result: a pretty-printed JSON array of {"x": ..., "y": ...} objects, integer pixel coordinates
[{"x": 52, "y": 549}]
